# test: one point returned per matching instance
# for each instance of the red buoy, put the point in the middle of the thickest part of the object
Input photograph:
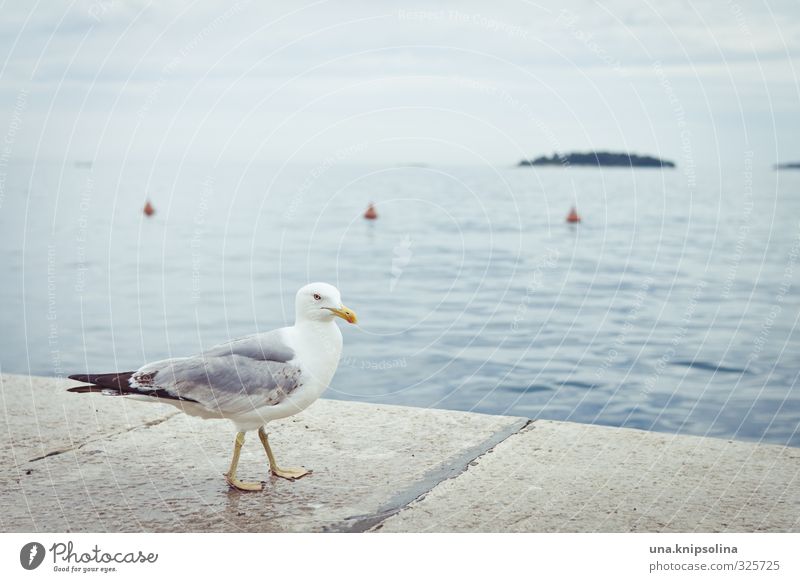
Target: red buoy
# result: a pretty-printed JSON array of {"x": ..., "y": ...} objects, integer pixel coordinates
[
  {"x": 573, "y": 216},
  {"x": 371, "y": 214},
  {"x": 148, "y": 209}
]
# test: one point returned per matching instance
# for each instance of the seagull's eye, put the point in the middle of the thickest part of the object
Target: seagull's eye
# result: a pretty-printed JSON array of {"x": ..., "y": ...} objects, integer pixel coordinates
[{"x": 317, "y": 296}]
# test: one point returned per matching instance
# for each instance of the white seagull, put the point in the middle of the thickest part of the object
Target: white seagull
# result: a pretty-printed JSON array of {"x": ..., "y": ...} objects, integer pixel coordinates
[{"x": 250, "y": 380}]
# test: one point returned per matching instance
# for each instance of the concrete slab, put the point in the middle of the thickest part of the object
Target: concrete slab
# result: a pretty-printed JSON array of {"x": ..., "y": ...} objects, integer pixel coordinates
[
  {"x": 93, "y": 463},
  {"x": 565, "y": 477},
  {"x": 40, "y": 417},
  {"x": 164, "y": 473}
]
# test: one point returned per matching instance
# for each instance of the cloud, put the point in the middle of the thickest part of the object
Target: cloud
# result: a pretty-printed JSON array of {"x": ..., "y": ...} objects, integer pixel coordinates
[{"x": 123, "y": 73}]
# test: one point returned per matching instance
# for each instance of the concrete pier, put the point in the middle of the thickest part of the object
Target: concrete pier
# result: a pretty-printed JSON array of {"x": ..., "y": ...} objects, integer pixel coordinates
[{"x": 92, "y": 463}]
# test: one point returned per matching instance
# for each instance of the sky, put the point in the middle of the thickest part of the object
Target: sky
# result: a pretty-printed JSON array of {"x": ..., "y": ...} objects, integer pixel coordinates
[{"x": 450, "y": 82}]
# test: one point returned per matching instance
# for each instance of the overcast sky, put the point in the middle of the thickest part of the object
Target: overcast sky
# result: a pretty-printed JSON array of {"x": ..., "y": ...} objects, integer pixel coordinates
[{"x": 453, "y": 82}]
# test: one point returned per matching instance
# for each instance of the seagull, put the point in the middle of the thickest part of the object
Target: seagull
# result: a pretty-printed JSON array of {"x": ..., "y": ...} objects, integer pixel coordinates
[{"x": 251, "y": 380}]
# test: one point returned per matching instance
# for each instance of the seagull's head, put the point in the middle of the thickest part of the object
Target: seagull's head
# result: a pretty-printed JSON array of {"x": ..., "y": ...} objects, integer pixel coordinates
[{"x": 322, "y": 302}]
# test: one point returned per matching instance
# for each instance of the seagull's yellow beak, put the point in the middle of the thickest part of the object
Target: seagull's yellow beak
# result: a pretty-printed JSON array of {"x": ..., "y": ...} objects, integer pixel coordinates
[{"x": 345, "y": 313}]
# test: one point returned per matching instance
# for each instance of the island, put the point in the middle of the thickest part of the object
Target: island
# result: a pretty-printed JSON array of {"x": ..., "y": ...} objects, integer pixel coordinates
[
  {"x": 599, "y": 159},
  {"x": 788, "y": 166}
]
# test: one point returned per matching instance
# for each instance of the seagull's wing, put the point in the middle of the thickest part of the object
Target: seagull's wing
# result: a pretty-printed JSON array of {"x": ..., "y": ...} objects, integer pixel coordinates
[
  {"x": 231, "y": 378},
  {"x": 267, "y": 346}
]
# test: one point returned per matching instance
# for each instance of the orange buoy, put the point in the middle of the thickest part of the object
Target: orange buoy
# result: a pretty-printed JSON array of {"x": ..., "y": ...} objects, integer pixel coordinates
[
  {"x": 148, "y": 209},
  {"x": 573, "y": 216},
  {"x": 371, "y": 214}
]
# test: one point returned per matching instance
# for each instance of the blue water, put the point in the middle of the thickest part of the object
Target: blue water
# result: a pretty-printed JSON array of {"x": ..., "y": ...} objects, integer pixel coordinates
[{"x": 672, "y": 307}]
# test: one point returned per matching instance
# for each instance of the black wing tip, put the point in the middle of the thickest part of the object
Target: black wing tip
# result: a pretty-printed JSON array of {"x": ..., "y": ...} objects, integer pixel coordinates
[
  {"x": 107, "y": 383},
  {"x": 116, "y": 384},
  {"x": 109, "y": 379},
  {"x": 86, "y": 389}
]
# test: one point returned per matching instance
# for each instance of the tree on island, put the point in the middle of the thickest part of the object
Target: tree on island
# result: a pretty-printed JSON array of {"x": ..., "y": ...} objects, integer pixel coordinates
[{"x": 599, "y": 159}]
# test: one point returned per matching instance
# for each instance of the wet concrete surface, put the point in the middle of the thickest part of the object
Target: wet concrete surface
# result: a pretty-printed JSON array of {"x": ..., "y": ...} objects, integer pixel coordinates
[
  {"x": 85, "y": 463},
  {"x": 135, "y": 466},
  {"x": 40, "y": 418},
  {"x": 568, "y": 477}
]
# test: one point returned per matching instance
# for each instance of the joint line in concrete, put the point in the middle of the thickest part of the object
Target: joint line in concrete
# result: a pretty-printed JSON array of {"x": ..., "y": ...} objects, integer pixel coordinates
[{"x": 448, "y": 470}]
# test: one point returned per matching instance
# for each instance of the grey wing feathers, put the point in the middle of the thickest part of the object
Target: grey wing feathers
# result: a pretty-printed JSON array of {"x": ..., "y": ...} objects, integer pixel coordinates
[
  {"x": 232, "y": 378},
  {"x": 265, "y": 346}
]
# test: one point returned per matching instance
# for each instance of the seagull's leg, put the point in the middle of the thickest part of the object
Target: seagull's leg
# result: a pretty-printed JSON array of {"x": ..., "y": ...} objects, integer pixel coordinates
[
  {"x": 290, "y": 474},
  {"x": 230, "y": 476}
]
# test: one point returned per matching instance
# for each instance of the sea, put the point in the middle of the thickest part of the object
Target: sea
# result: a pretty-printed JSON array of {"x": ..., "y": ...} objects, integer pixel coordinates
[{"x": 672, "y": 306}]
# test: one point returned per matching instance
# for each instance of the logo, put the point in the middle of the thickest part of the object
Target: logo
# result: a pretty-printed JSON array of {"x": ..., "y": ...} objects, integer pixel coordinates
[
  {"x": 31, "y": 555},
  {"x": 402, "y": 257}
]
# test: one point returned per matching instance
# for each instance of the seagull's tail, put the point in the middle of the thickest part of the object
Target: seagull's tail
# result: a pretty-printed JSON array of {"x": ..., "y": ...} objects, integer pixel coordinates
[
  {"x": 118, "y": 384},
  {"x": 110, "y": 384},
  {"x": 89, "y": 388}
]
